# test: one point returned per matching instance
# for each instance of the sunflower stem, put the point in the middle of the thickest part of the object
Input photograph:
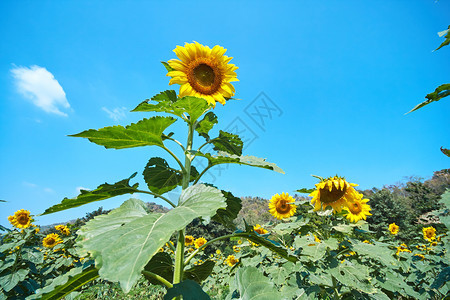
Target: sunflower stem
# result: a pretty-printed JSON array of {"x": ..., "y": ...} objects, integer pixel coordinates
[
  {"x": 179, "y": 256},
  {"x": 159, "y": 278}
]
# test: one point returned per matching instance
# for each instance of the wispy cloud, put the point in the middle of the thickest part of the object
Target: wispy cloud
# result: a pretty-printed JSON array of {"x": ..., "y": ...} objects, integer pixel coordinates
[
  {"x": 29, "y": 184},
  {"x": 40, "y": 86},
  {"x": 117, "y": 113}
]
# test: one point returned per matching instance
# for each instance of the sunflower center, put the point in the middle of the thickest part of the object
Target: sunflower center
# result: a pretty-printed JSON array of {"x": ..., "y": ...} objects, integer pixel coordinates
[
  {"x": 355, "y": 208},
  {"x": 283, "y": 207},
  {"x": 22, "y": 219},
  {"x": 50, "y": 241},
  {"x": 327, "y": 196},
  {"x": 204, "y": 76}
]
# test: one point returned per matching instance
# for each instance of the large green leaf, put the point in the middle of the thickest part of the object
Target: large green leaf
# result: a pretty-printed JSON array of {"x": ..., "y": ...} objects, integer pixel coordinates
[
  {"x": 67, "y": 283},
  {"x": 161, "y": 178},
  {"x": 162, "y": 265},
  {"x": 228, "y": 142},
  {"x": 228, "y": 215},
  {"x": 253, "y": 285},
  {"x": 440, "y": 92},
  {"x": 122, "y": 252},
  {"x": 146, "y": 132},
  {"x": 9, "y": 280},
  {"x": 447, "y": 38},
  {"x": 164, "y": 102},
  {"x": 190, "y": 290},
  {"x": 354, "y": 276},
  {"x": 377, "y": 251},
  {"x": 102, "y": 192},
  {"x": 226, "y": 158},
  {"x": 314, "y": 250},
  {"x": 200, "y": 272},
  {"x": 445, "y": 151},
  {"x": 206, "y": 124}
]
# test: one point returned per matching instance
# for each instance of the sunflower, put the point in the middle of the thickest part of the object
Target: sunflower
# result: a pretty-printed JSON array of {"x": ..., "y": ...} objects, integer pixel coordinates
[
  {"x": 218, "y": 252},
  {"x": 358, "y": 210},
  {"x": 63, "y": 229},
  {"x": 393, "y": 228},
  {"x": 21, "y": 219},
  {"x": 200, "y": 242},
  {"x": 402, "y": 248},
  {"x": 236, "y": 249},
  {"x": 203, "y": 72},
  {"x": 51, "y": 240},
  {"x": 231, "y": 260},
  {"x": 422, "y": 257},
  {"x": 429, "y": 233},
  {"x": 280, "y": 207},
  {"x": 335, "y": 192},
  {"x": 188, "y": 240},
  {"x": 257, "y": 228}
]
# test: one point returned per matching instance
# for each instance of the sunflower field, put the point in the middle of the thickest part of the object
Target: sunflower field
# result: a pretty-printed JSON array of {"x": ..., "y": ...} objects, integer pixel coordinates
[{"x": 318, "y": 246}]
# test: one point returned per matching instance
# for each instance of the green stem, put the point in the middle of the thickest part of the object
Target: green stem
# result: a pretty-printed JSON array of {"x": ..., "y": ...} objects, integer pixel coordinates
[
  {"x": 202, "y": 173},
  {"x": 157, "y": 277},
  {"x": 207, "y": 244},
  {"x": 179, "y": 255},
  {"x": 336, "y": 293},
  {"x": 156, "y": 195},
  {"x": 175, "y": 157}
]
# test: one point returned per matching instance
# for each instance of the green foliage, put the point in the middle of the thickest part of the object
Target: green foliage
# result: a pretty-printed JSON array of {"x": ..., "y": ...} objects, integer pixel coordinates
[
  {"x": 228, "y": 142},
  {"x": 147, "y": 132},
  {"x": 447, "y": 38},
  {"x": 206, "y": 124},
  {"x": 130, "y": 237},
  {"x": 227, "y": 216},
  {"x": 439, "y": 93},
  {"x": 251, "y": 284},
  {"x": 445, "y": 151},
  {"x": 190, "y": 290},
  {"x": 102, "y": 192}
]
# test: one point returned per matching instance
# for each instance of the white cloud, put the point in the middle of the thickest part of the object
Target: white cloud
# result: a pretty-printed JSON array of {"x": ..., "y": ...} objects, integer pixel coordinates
[
  {"x": 29, "y": 184},
  {"x": 48, "y": 190},
  {"x": 40, "y": 86},
  {"x": 81, "y": 188},
  {"x": 117, "y": 113}
]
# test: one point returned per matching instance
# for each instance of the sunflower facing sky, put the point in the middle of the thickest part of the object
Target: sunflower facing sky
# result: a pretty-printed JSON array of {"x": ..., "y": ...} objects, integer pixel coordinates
[
  {"x": 51, "y": 240},
  {"x": 358, "y": 210},
  {"x": 393, "y": 228},
  {"x": 335, "y": 192},
  {"x": 21, "y": 219},
  {"x": 203, "y": 72},
  {"x": 282, "y": 206}
]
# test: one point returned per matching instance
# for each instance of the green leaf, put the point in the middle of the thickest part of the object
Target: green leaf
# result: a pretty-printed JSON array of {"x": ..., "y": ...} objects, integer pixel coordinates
[
  {"x": 206, "y": 124},
  {"x": 33, "y": 255},
  {"x": 67, "y": 283},
  {"x": 228, "y": 142},
  {"x": 226, "y": 158},
  {"x": 445, "y": 151},
  {"x": 122, "y": 252},
  {"x": 160, "y": 178},
  {"x": 167, "y": 66},
  {"x": 288, "y": 228},
  {"x": 354, "y": 276},
  {"x": 200, "y": 272},
  {"x": 190, "y": 290},
  {"x": 229, "y": 214},
  {"x": 377, "y": 251},
  {"x": 305, "y": 191},
  {"x": 162, "y": 265},
  {"x": 315, "y": 250},
  {"x": 447, "y": 38},
  {"x": 253, "y": 285},
  {"x": 146, "y": 132},
  {"x": 11, "y": 279},
  {"x": 193, "y": 106},
  {"x": 102, "y": 192},
  {"x": 440, "y": 92},
  {"x": 442, "y": 278},
  {"x": 168, "y": 95}
]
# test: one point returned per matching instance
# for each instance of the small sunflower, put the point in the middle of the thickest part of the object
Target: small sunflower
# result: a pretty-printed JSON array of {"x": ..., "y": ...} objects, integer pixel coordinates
[
  {"x": 257, "y": 228},
  {"x": 402, "y": 248},
  {"x": 393, "y": 228},
  {"x": 203, "y": 72},
  {"x": 63, "y": 229},
  {"x": 429, "y": 233},
  {"x": 200, "y": 242},
  {"x": 21, "y": 219},
  {"x": 189, "y": 240},
  {"x": 358, "y": 210},
  {"x": 236, "y": 249},
  {"x": 231, "y": 260},
  {"x": 422, "y": 257},
  {"x": 335, "y": 192},
  {"x": 280, "y": 207},
  {"x": 218, "y": 252},
  {"x": 51, "y": 240}
]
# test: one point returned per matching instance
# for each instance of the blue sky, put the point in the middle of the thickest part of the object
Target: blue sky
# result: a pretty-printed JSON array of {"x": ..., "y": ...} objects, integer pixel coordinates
[{"x": 338, "y": 77}]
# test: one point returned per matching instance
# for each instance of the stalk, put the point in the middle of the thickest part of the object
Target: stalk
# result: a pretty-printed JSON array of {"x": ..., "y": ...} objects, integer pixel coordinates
[{"x": 179, "y": 256}]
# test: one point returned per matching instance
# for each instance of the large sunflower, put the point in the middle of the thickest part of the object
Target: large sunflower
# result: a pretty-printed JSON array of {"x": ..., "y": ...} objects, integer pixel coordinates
[
  {"x": 358, "y": 210},
  {"x": 203, "y": 72},
  {"x": 281, "y": 206},
  {"x": 335, "y": 192},
  {"x": 63, "y": 229},
  {"x": 51, "y": 240},
  {"x": 393, "y": 228},
  {"x": 21, "y": 219},
  {"x": 429, "y": 233}
]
